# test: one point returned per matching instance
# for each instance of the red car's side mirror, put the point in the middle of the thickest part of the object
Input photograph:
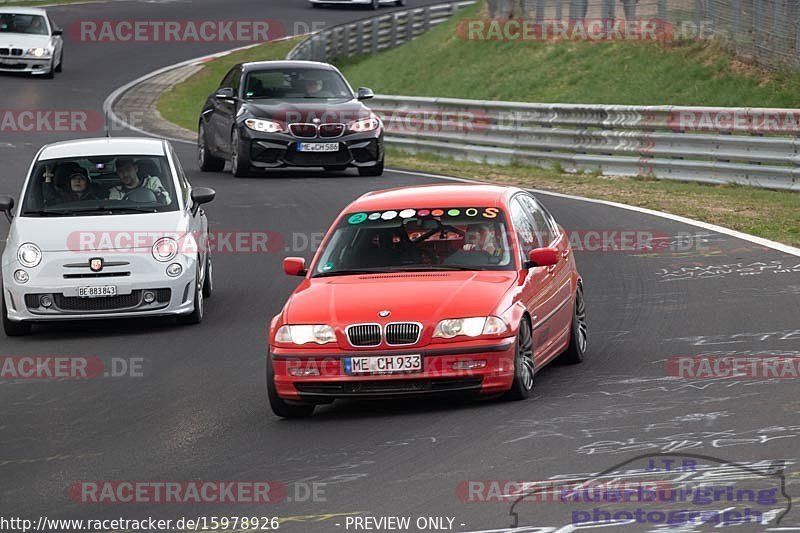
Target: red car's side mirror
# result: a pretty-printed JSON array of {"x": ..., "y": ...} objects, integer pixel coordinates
[
  {"x": 542, "y": 257},
  {"x": 294, "y": 266}
]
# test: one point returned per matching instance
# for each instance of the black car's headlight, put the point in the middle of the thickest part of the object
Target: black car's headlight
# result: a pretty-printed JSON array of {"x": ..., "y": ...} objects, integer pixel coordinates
[
  {"x": 264, "y": 126},
  {"x": 364, "y": 125}
]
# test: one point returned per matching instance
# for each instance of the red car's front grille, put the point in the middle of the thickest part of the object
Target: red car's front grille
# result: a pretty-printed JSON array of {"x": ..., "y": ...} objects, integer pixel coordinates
[
  {"x": 364, "y": 334},
  {"x": 402, "y": 333}
]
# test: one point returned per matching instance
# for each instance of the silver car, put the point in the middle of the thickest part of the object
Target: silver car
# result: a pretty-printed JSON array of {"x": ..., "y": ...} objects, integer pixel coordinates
[
  {"x": 105, "y": 228},
  {"x": 30, "y": 42}
]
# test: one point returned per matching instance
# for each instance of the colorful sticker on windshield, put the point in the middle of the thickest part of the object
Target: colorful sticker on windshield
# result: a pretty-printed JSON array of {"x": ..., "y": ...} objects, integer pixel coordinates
[
  {"x": 471, "y": 212},
  {"x": 358, "y": 218},
  {"x": 423, "y": 212},
  {"x": 407, "y": 213},
  {"x": 374, "y": 216},
  {"x": 389, "y": 215},
  {"x": 437, "y": 212},
  {"x": 454, "y": 212}
]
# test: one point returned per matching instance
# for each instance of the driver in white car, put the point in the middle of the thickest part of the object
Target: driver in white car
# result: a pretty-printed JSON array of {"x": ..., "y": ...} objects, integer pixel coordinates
[{"x": 128, "y": 173}]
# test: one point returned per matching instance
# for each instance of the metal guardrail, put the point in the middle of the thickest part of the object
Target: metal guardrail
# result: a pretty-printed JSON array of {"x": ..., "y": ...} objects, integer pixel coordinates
[
  {"x": 373, "y": 34},
  {"x": 748, "y": 146}
]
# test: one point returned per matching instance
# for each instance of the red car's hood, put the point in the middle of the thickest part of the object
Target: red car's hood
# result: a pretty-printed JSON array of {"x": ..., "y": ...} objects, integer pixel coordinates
[{"x": 424, "y": 297}]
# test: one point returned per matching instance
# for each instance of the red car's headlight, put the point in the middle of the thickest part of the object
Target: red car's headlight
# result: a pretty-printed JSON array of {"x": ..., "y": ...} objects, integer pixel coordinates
[
  {"x": 365, "y": 124},
  {"x": 469, "y": 327},
  {"x": 305, "y": 334}
]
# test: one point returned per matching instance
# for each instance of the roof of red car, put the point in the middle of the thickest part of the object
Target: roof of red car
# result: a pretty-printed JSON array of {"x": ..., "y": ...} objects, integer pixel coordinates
[{"x": 461, "y": 195}]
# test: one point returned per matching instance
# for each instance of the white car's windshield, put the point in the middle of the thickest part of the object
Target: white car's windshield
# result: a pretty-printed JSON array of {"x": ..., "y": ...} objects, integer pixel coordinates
[
  {"x": 295, "y": 83},
  {"x": 453, "y": 238},
  {"x": 99, "y": 186},
  {"x": 20, "y": 23}
]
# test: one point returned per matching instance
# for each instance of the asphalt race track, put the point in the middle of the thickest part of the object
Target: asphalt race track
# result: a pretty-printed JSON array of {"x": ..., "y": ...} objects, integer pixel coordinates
[{"x": 199, "y": 410}]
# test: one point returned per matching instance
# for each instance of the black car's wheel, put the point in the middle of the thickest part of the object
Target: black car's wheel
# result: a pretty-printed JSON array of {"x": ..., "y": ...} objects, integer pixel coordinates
[
  {"x": 240, "y": 162},
  {"x": 207, "y": 162},
  {"x": 60, "y": 67},
  {"x": 279, "y": 406},
  {"x": 11, "y": 328},
  {"x": 578, "y": 340},
  {"x": 208, "y": 283},
  {"x": 196, "y": 316},
  {"x": 376, "y": 170},
  {"x": 523, "y": 364}
]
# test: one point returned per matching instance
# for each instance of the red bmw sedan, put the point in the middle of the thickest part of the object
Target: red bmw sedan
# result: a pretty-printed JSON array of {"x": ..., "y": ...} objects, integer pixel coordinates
[{"x": 428, "y": 290}]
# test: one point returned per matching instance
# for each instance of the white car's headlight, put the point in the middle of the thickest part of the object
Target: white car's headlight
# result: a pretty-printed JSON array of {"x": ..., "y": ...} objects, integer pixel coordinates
[
  {"x": 29, "y": 255},
  {"x": 165, "y": 249},
  {"x": 304, "y": 334},
  {"x": 365, "y": 124},
  {"x": 39, "y": 52},
  {"x": 470, "y": 327},
  {"x": 266, "y": 126}
]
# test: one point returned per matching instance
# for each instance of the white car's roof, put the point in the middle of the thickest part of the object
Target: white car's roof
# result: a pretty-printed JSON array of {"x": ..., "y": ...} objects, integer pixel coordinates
[
  {"x": 103, "y": 146},
  {"x": 23, "y": 10}
]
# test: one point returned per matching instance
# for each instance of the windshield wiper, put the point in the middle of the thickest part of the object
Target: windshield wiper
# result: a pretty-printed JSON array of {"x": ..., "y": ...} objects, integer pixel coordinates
[
  {"x": 436, "y": 267},
  {"x": 349, "y": 272},
  {"x": 47, "y": 212}
]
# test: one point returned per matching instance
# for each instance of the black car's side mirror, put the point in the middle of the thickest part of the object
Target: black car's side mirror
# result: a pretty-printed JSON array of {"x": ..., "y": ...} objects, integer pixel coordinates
[
  {"x": 58, "y": 31},
  {"x": 6, "y": 205},
  {"x": 200, "y": 196},
  {"x": 226, "y": 93},
  {"x": 365, "y": 93}
]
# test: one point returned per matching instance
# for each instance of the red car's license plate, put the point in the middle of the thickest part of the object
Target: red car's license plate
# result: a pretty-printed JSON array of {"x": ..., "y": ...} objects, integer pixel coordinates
[{"x": 383, "y": 364}]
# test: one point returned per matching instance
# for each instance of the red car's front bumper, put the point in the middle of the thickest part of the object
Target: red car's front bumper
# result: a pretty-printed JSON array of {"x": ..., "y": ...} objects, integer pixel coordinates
[{"x": 319, "y": 375}]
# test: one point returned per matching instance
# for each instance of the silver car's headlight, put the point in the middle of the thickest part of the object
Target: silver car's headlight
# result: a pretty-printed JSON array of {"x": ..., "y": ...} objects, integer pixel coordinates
[
  {"x": 39, "y": 52},
  {"x": 29, "y": 255},
  {"x": 165, "y": 249},
  {"x": 266, "y": 126},
  {"x": 470, "y": 327},
  {"x": 304, "y": 334}
]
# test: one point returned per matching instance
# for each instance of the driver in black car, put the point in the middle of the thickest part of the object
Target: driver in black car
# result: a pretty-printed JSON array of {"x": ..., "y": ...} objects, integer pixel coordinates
[{"x": 128, "y": 172}]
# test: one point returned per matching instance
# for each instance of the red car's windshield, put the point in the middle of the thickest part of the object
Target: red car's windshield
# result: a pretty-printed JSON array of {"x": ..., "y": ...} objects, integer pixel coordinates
[{"x": 457, "y": 238}]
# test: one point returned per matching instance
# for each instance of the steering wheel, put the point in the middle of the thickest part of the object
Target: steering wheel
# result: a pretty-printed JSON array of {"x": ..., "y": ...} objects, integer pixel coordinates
[{"x": 141, "y": 196}]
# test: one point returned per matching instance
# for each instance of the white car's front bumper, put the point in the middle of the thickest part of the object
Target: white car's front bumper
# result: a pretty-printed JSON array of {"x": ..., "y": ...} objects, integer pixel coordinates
[
  {"x": 26, "y": 64},
  {"x": 133, "y": 274}
]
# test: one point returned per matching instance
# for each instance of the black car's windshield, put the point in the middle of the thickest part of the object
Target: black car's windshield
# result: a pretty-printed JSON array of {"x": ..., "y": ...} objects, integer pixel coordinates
[
  {"x": 20, "y": 23},
  {"x": 103, "y": 185},
  {"x": 300, "y": 83},
  {"x": 407, "y": 240}
]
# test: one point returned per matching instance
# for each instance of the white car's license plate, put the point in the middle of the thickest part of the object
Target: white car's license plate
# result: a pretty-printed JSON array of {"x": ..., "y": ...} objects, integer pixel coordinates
[
  {"x": 317, "y": 147},
  {"x": 383, "y": 364},
  {"x": 97, "y": 292}
]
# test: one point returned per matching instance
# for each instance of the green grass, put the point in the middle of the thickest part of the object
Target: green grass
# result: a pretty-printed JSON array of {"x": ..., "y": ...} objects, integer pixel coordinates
[
  {"x": 182, "y": 104},
  {"x": 440, "y": 63},
  {"x": 769, "y": 214}
]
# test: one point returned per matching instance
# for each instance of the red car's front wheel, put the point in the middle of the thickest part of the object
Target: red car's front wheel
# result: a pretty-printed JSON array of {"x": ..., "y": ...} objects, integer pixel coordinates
[{"x": 522, "y": 385}]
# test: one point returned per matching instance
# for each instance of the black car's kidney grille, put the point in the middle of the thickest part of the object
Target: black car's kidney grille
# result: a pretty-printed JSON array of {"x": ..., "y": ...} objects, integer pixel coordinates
[
  {"x": 364, "y": 334},
  {"x": 331, "y": 130},
  {"x": 303, "y": 131},
  {"x": 400, "y": 333}
]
